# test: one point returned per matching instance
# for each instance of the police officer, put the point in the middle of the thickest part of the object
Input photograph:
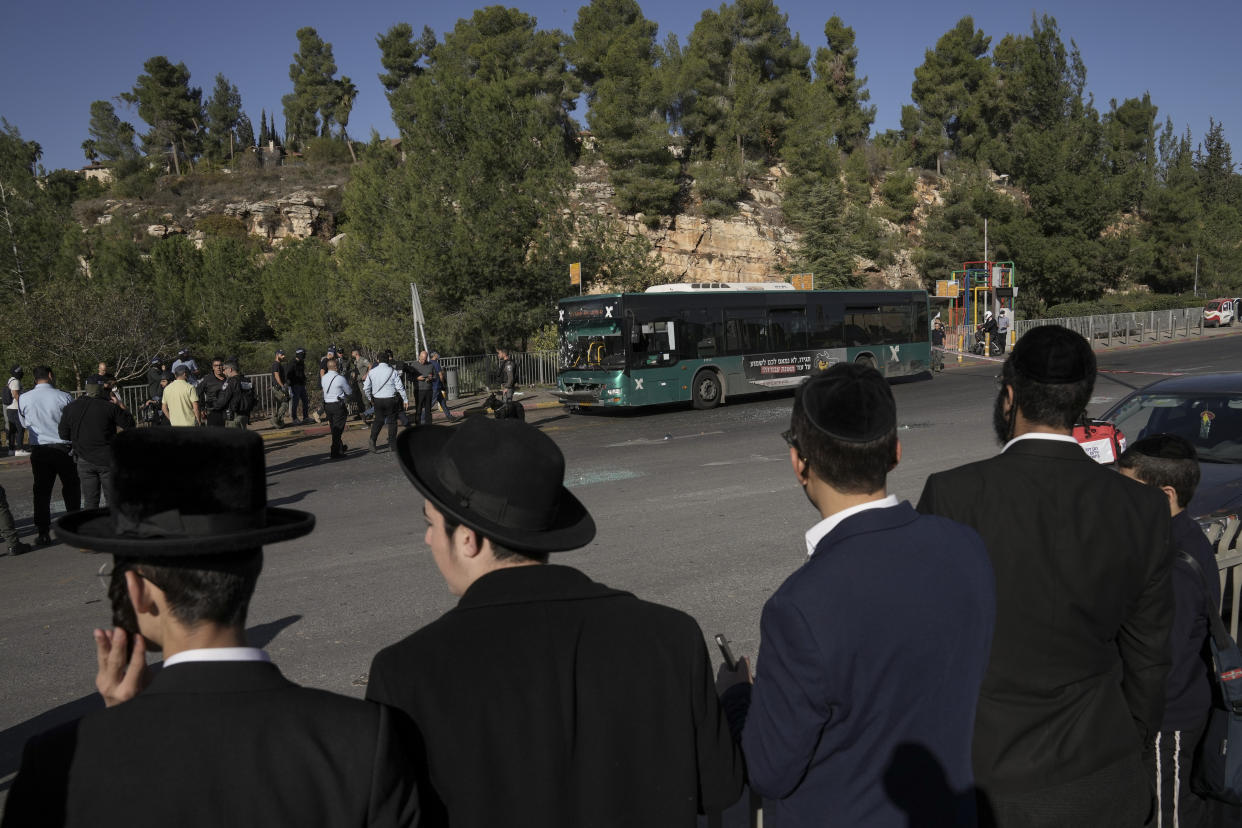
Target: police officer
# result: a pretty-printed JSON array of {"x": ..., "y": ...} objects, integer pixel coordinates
[
  {"x": 209, "y": 390},
  {"x": 296, "y": 379},
  {"x": 336, "y": 392},
  {"x": 387, "y": 393}
]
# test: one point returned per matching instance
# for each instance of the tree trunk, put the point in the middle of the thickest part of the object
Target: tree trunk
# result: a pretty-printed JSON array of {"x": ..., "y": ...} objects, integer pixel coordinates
[
  {"x": 17, "y": 259},
  {"x": 172, "y": 149},
  {"x": 349, "y": 144}
]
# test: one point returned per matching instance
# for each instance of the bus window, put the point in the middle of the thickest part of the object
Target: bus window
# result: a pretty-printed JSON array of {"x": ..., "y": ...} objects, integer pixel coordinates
[
  {"x": 652, "y": 341},
  {"x": 699, "y": 334},
  {"x": 824, "y": 324},
  {"x": 787, "y": 330},
  {"x": 745, "y": 330},
  {"x": 899, "y": 323},
  {"x": 863, "y": 326}
]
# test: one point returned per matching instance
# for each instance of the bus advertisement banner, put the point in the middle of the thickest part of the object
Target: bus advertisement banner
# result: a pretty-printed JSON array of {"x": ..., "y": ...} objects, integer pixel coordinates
[{"x": 786, "y": 369}]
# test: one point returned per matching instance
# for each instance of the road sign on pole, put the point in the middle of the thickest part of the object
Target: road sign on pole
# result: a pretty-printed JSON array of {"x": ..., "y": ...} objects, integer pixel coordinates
[
  {"x": 803, "y": 281},
  {"x": 575, "y": 275}
]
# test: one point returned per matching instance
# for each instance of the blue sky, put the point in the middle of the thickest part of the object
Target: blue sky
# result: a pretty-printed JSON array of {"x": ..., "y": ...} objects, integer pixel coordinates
[{"x": 56, "y": 56}]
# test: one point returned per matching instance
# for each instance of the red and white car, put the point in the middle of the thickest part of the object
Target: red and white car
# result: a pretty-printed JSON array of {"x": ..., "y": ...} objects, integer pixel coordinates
[{"x": 1220, "y": 313}]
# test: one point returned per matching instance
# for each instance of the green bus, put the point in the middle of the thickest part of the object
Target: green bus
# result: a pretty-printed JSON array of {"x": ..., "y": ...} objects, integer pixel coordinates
[{"x": 706, "y": 342}]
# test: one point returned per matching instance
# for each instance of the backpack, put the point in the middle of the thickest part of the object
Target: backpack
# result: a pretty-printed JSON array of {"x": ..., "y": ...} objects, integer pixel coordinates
[
  {"x": 248, "y": 399},
  {"x": 8, "y": 395}
]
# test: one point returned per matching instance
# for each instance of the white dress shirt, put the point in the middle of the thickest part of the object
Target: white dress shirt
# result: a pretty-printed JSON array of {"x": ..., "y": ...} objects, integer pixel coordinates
[{"x": 217, "y": 654}]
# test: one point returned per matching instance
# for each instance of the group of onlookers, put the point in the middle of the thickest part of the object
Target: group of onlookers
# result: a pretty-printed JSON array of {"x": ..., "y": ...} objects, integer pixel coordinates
[{"x": 1029, "y": 660}]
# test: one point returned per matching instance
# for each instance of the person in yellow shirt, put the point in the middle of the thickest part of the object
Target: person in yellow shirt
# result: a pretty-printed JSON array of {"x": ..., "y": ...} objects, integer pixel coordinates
[{"x": 180, "y": 402}]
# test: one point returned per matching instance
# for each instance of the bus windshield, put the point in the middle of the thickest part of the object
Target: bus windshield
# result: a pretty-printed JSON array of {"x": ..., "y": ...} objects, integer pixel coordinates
[{"x": 593, "y": 346}]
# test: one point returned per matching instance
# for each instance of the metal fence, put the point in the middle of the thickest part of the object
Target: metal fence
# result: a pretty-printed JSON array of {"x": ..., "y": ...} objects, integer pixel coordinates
[
  {"x": 473, "y": 375},
  {"x": 1127, "y": 327}
]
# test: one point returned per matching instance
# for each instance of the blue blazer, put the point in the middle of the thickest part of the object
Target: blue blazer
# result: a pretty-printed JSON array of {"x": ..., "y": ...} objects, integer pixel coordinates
[{"x": 870, "y": 662}]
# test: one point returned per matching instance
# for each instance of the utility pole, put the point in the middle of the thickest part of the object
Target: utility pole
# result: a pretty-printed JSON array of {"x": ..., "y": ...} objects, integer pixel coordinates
[{"x": 1196, "y": 274}]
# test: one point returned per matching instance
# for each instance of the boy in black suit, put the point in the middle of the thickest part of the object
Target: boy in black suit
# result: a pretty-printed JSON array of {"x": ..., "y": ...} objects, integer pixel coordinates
[
  {"x": 1171, "y": 464},
  {"x": 218, "y": 737},
  {"x": 545, "y": 698}
]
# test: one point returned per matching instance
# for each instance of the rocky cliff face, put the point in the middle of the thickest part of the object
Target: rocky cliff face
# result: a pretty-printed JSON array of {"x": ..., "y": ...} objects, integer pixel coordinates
[
  {"x": 753, "y": 246},
  {"x": 298, "y": 215}
]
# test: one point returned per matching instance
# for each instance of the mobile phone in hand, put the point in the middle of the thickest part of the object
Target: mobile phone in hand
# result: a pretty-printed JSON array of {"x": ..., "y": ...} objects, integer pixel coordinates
[{"x": 726, "y": 653}]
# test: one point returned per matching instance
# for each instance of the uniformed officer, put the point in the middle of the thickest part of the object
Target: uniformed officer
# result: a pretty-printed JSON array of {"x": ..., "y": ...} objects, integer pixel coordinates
[
  {"x": 387, "y": 393},
  {"x": 336, "y": 393}
]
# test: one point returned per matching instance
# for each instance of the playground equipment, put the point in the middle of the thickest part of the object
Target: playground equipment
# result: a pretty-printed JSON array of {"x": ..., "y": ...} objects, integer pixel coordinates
[{"x": 975, "y": 288}]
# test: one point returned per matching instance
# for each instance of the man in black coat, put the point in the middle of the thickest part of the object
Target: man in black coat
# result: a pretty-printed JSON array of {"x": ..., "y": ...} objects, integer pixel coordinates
[
  {"x": 545, "y": 698},
  {"x": 1075, "y": 685},
  {"x": 90, "y": 423},
  {"x": 218, "y": 737}
]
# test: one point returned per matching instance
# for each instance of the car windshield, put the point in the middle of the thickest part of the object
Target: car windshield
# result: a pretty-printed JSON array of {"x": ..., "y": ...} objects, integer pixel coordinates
[
  {"x": 594, "y": 347},
  {"x": 1212, "y": 422},
  {"x": 1213, "y": 306}
]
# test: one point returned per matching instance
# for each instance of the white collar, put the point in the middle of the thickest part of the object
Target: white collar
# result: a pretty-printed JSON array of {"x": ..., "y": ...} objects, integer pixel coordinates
[
  {"x": 1039, "y": 435},
  {"x": 218, "y": 654},
  {"x": 820, "y": 530}
]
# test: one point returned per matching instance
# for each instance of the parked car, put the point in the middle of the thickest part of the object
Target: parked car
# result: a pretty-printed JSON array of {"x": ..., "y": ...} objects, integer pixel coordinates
[
  {"x": 1206, "y": 409},
  {"x": 1220, "y": 313}
]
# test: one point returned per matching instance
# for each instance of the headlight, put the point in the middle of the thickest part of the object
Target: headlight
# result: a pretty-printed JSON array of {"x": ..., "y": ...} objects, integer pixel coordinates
[{"x": 1220, "y": 531}]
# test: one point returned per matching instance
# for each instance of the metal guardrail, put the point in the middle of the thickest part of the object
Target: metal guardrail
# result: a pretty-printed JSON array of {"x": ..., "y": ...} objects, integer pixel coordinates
[
  {"x": 1127, "y": 327},
  {"x": 474, "y": 374}
]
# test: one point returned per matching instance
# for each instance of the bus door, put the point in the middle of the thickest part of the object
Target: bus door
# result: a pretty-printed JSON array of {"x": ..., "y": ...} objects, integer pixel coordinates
[{"x": 653, "y": 358}]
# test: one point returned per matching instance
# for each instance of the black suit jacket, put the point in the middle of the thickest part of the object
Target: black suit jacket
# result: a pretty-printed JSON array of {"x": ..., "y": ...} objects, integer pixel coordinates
[
  {"x": 547, "y": 699},
  {"x": 219, "y": 745},
  {"x": 1084, "y": 605}
]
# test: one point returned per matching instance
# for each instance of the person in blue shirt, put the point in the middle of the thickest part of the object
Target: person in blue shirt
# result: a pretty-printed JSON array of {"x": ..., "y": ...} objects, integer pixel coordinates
[
  {"x": 1171, "y": 464},
  {"x": 39, "y": 410}
]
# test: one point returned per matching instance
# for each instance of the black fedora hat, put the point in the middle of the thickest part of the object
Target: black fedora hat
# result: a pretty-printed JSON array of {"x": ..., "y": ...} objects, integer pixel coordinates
[
  {"x": 184, "y": 491},
  {"x": 503, "y": 478}
]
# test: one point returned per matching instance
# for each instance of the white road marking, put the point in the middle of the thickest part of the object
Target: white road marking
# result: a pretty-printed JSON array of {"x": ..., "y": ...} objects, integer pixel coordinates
[
  {"x": 652, "y": 441},
  {"x": 754, "y": 458}
]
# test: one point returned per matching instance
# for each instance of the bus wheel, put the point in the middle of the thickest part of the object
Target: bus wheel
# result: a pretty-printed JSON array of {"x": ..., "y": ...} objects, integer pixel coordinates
[
  {"x": 706, "y": 390},
  {"x": 866, "y": 361}
]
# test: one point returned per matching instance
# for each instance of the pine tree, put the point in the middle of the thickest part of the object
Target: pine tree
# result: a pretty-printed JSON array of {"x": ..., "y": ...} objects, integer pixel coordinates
[
  {"x": 245, "y": 132},
  {"x": 111, "y": 138},
  {"x": 223, "y": 113},
  {"x": 947, "y": 112},
  {"x": 614, "y": 54},
  {"x": 171, "y": 107}
]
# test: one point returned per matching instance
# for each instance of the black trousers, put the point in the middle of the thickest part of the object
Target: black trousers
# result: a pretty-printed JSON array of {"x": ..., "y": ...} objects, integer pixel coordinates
[
  {"x": 386, "y": 409},
  {"x": 13, "y": 429},
  {"x": 1170, "y": 763},
  {"x": 422, "y": 404},
  {"x": 337, "y": 415},
  {"x": 48, "y": 463},
  {"x": 95, "y": 480}
]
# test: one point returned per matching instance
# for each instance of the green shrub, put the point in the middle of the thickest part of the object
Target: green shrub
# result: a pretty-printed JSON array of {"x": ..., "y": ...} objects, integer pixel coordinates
[
  {"x": 217, "y": 224},
  {"x": 898, "y": 193},
  {"x": 325, "y": 152}
]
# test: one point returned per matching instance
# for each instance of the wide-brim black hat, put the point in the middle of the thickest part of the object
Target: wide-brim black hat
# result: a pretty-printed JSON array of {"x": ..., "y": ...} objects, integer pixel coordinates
[
  {"x": 502, "y": 478},
  {"x": 184, "y": 491}
]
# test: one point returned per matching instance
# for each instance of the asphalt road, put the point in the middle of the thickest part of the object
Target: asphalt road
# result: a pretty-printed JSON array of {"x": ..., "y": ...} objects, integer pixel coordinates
[{"x": 698, "y": 510}]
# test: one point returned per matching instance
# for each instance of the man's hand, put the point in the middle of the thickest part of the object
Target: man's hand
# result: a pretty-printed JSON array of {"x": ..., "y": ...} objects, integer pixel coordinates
[
  {"x": 118, "y": 679},
  {"x": 726, "y": 678}
]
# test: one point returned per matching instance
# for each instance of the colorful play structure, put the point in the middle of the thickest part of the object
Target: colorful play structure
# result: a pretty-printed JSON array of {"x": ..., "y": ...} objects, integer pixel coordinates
[{"x": 977, "y": 287}]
